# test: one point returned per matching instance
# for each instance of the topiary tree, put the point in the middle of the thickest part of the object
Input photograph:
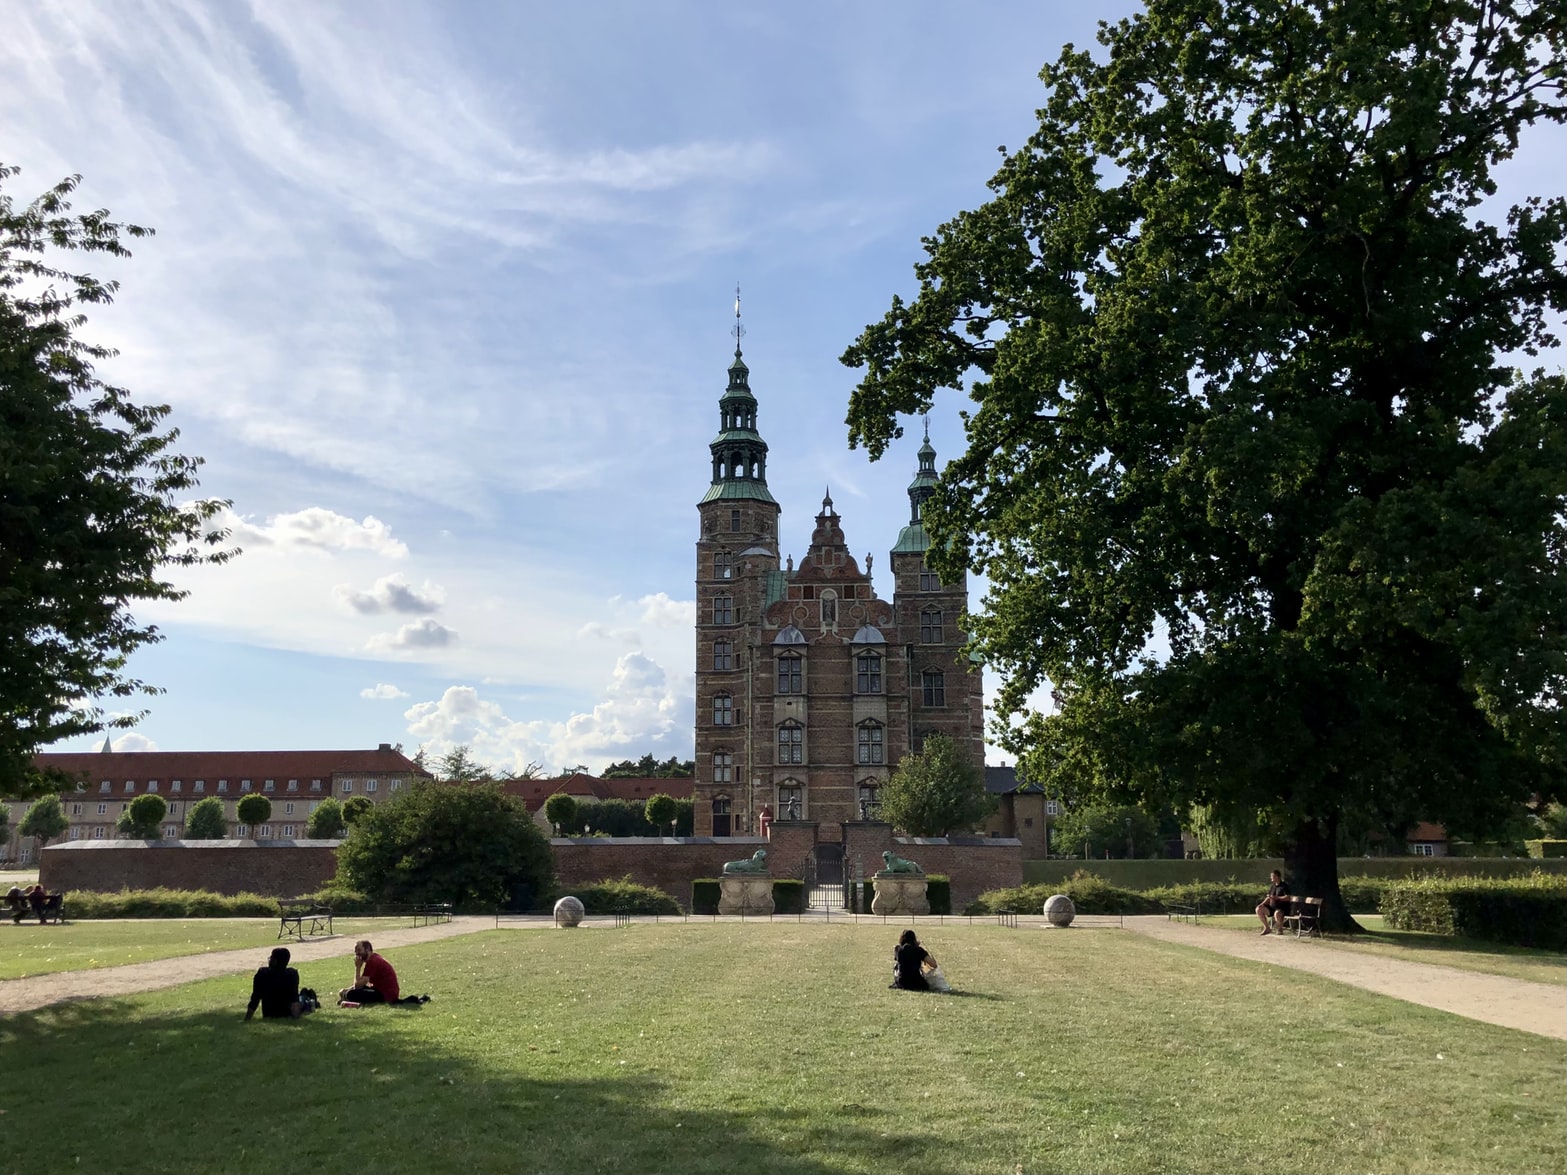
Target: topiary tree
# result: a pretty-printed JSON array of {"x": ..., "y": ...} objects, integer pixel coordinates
[
  {"x": 355, "y": 807},
  {"x": 468, "y": 844},
  {"x": 326, "y": 822},
  {"x": 561, "y": 811},
  {"x": 142, "y": 819},
  {"x": 205, "y": 820},
  {"x": 253, "y": 810},
  {"x": 661, "y": 810},
  {"x": 44, "y": 821}
]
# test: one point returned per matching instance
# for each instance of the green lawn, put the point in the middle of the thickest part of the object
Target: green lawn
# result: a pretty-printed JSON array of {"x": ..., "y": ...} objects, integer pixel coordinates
[
  {"x": 778, "y": 1048},
  {"x": 31, "y": 949},
  {"x": 1470, "y": 954}
]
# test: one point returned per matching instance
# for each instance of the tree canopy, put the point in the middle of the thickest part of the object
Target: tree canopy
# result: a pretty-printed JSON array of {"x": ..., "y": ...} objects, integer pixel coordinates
[
  {"x": 468, "y": 844},
  {"x": 1256, "y": 487},
  {"x": 935, "y": 791},
  {"x": 205, "y": 820},
  {"x": 326, "y": 822},
  {"x": 142, "y": 818},
  {"x": 44, "y": 820},
  {"x": 253, "y": 810},
  {"x": 1098, "y": 830},
  {"x": 93, "y": 496}
]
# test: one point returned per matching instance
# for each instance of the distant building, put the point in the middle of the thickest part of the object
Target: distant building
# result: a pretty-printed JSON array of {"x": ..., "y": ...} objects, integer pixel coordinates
[
  {"x": 295, "y": 781},
  {"x": 809, "y": 686},
  {"x": 1022, "y": 811}
]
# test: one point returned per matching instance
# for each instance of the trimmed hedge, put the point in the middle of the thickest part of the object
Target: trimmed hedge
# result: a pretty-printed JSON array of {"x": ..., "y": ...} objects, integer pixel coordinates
[
  {"x": 1540, "y": 849},
  {"x": 621, "y": 895},
  {"x": 1091, "y": 895},
  {"x": 705, "y": 893},
  {"x": 788, "y": 896},
  {"x": 167, "y": 903},
  {"x": 1518, "y": 911},
  {"x": 938, "y": 891}
]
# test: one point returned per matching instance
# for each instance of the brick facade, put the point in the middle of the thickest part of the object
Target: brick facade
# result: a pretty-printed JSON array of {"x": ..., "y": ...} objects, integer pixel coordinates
[{"x": 276, "y": 869}]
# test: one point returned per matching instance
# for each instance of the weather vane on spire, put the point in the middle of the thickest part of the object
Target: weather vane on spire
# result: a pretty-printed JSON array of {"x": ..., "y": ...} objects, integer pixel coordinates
[
  {"x": 927, "y": 428},
  {"x": 737, "y": 330}
]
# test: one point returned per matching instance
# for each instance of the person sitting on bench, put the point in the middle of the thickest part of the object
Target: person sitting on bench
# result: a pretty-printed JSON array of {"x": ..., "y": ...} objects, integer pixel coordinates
[
  {"x": 16, "y": 902},
  {"x": 1276, "y": 904},
  {"x": 374, "y": 980},
  {"x": 276, "y": 989}
]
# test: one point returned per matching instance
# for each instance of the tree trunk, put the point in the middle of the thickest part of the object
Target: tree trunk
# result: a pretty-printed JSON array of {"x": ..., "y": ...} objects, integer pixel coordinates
[{"x": 1311, "y": 871}]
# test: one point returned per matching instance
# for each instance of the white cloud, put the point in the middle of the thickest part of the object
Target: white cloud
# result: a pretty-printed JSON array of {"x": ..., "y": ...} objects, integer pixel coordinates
[
  {"x": 659, "y": 610},
  {"x": 391, "y": 593},
  {"x": 314, "y": 528},
  {"x": 417, "y": 634},
  {"x": 134, "y": 742},
  {"x": 380, "y": 691}
]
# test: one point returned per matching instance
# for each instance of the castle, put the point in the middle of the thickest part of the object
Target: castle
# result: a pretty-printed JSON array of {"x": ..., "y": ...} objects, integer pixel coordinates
[{"x": 809, "y": 687}]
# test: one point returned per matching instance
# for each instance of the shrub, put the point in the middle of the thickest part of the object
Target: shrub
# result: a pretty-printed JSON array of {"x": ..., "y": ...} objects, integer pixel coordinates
[
  {"x": 168, "y": 903},
  {"x": 1518, "y": 911},
  {"x": 623, "y": 896},
  {"x": 1546, "y": 848},
  {"x": 938, "y": 891},
  {"x": 1090, "y": 894},
  {"x": 342, "y": 900},
  {"x": 1211, "y": 897},
  {"x": 788, "y": 895},
  {"x": 705, "y": 892},
  {"x": 142, "y": 818},
  {"x": 326, "y": 822},
  {"x": 1363, "y": 895}
]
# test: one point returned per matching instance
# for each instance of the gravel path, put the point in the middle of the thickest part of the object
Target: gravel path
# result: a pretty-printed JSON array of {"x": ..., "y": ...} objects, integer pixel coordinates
[{"x": 1540, "y": 1008}]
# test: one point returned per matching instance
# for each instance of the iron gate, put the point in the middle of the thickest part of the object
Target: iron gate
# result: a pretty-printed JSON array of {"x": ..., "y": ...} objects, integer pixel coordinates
[{"x": 824, "y": 889}]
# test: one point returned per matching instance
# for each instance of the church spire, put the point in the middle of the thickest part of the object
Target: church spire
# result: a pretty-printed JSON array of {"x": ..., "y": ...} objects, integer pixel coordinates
[
  {"x": 739, "y": 453},
  {"x": 912, "y": 538}
]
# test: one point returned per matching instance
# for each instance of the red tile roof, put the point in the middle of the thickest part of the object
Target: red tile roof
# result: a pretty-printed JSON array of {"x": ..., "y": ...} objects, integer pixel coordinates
[
  {"x": 1426, "y": 831},
  {"x": 141, "y": 766}
]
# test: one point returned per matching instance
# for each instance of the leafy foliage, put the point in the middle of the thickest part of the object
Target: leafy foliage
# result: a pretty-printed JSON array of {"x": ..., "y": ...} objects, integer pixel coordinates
[
  {"x": 142, "y": 818},
  {"x": 788, "y": 895},
  {"x": 93, "y": 499},
  {"x": 45, "y": 820},
  {"x": 660, "y": 811},
  {"x": 356, "y": 807},
  {"x": 253, "y": 810},
  {"x": 561, "y": 811},
  {"x": 938, "y": 891},
  {"x": 936, "y": 791},
  {"x": 1252, "y": 491},
  {"x": 1104, "y": 829},
  {"x": 623, "y": 896},
  {"x": 468, "y": 844},
  {"x": 705, "y": 895},
  {"x": 326, "y": 822},
  {"x": 649, "y": 767},
  {"x": 205, "y": 820},
  {"x": 1520, "y": 911}
]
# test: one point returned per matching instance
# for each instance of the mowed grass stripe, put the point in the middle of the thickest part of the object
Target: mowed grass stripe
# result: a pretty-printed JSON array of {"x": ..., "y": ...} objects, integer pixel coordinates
[{"x": 780, "y": 1048}]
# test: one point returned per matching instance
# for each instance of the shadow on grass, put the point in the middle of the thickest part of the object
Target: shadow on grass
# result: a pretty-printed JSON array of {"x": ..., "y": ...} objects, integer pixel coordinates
[{"x": 370, "y": 1091}]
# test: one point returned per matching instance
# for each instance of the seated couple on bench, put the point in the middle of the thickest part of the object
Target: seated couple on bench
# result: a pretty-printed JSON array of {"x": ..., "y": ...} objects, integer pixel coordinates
[{"x": 35, "y": 899}]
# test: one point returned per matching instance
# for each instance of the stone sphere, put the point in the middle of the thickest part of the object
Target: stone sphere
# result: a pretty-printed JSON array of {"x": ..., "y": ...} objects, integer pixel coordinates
[
  {"x": 1059, "y": 910},
  {"x": 568, "y": 912}
]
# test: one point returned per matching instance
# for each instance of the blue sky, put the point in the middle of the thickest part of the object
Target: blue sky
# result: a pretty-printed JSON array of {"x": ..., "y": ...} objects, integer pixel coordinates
[{"x": 441, "y": 293}]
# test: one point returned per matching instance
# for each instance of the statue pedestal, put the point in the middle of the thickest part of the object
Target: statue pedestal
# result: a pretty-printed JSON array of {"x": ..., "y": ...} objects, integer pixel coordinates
[
  {"x": 900, "y": 893},
  {"x": 739, "y": 893}
]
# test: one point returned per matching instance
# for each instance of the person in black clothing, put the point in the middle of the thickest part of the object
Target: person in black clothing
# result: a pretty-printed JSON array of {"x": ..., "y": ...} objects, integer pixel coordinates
[
  {"x": 909, "y": 961},
  {"x": 276, "y": 989},
  {"x": 1276, "y": 904}
]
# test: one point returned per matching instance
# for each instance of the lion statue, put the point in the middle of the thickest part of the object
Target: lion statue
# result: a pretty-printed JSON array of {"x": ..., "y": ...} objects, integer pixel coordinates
[
  {"x": 897, "y": 864},
  {"x": 755, "y": 863}
]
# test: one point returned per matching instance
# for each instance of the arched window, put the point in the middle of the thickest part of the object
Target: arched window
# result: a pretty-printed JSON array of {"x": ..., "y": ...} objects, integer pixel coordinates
[
  {"x": 934, "y": 683},
  {"x": 723, "y": 767},
  {"x": 721, "y": 567},
  {"x": 791, "y": 675},
  {"x": 791, "y": 743},
  {"x": 723, "y": 710},
  {"x": 723, "y": 655},
  {"x": 791, "y": 800},
  {"x": 872, "y": 746},
  {"x": 723, "y": 609},
  {"x": 930, "y": 626},
  {"x": 867, "y": 677}
]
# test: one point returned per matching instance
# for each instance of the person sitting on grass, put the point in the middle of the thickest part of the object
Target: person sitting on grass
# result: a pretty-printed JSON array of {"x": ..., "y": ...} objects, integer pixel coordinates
[
  {"x": 276, "y": 989},
  {"x": 909, "y": 963},
  {"x": 374, "y": 980},
  {"x": 1276, "y": 904}
]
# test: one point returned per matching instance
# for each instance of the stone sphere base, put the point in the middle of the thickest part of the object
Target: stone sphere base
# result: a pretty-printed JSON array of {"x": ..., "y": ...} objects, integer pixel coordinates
[{"x": 569, "y": 912}]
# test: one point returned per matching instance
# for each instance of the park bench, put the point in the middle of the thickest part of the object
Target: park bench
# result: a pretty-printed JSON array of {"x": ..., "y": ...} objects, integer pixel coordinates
[
  {"x": 54, "y": 909},
  {"x": 1305, "y": 917},
  {"x": 431, "y": 912},
  {"x": 1181, "y": 911},
  {"x": 303, "y": 918}
]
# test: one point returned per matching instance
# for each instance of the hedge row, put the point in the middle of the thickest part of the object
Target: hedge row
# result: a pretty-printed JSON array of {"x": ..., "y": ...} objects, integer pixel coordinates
[
  {"x": 1519, "y": 911},
  {"x": 167, "y": 903},
  {"x": 1092, "y": 894},
  {"x": 622, "y": 896}
]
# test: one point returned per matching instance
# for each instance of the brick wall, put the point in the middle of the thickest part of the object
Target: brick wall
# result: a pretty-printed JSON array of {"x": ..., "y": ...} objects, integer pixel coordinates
[
  {"x": 281, "y": 869},
  {"x": 667, "y": 863}
]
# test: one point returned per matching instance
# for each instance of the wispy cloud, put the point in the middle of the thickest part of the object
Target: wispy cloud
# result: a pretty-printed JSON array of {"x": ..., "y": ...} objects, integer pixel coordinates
[{"x": 315, "y": 528}]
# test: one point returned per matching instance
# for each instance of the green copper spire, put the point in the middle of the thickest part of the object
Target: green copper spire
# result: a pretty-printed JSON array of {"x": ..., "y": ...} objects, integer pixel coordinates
[
  {"x": 739, "y": 452},
  {"x": 912, "y": 538}
]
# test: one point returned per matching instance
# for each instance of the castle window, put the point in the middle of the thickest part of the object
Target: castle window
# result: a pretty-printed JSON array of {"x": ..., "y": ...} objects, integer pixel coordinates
[
  {"x": 152, "y": 785},
  {"x": 723, "y": 655},
  {"x": 370, "y": 785},
  {"x": 871, "y": 744},
  {"x": 791, "y": 800},
  {"x": 174, "y": 785},
  {"x": 293, "y": 785},
  {"x": 244, "y": 785},
  {"x": 723, "y": 609},
  {"x": 104, "y": 786},
  {"x": 199, "y": 785},
  {"x": 930, "y": 626},
  {"x": 723, "y": 710},
  {"x": 934, "y": 683},
  {"x": 734, "y": 520},
  {"x": 223, "y": 785},
  {"x": 721, "y": 567},
  {"x": 791, "y": 678},
  {"x": 930, "y": 581},
  {"x": 103, "y": 809},
  {"x": 791, "y": 743},
  {"x": 723, "y": 767},
  {"x": 867, "y": 679},
  {"x": 870, "y": 799}
]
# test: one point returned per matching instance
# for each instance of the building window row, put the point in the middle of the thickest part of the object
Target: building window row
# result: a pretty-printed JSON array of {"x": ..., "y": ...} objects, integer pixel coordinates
[
  {"x": 930, "y": 626},
  {"x": 723, "y": 610},
  {"x": 791, "y": 674}
]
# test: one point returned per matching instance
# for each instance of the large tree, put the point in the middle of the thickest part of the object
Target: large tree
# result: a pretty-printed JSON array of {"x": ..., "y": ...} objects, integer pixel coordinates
[
  {"x": 205, "y": 820},
  {"x": 93, "y": 497},
  {"x": 143, "y": 818},
  {"x": 1255, "y": 485},
  {"x": 45, "y": 820},
  {"x": 936, "y": 791}
]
